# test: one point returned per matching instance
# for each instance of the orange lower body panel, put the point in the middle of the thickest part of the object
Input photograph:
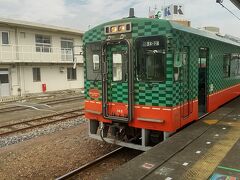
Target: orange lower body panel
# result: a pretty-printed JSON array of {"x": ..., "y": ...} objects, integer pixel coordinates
[
  {"x": 148, "y": 117},
  {"x": 167, "y": 119},
  {"x": 219, "y": 98}
]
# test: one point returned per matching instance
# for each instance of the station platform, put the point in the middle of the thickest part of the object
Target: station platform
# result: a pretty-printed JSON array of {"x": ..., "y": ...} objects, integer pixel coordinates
[{"x": 207, "y": 149}]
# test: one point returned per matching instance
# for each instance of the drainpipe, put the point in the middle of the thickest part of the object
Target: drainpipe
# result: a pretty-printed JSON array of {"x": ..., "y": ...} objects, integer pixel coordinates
[{"x": 19, "y": 69}]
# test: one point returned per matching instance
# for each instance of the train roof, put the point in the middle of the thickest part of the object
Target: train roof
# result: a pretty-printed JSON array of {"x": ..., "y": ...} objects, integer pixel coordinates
[
  {"x": 172, "y": 25},
  {"x": 202, "y": 33}
]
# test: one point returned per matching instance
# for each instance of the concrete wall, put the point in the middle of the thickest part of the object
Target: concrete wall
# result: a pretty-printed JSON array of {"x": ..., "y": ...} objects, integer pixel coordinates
[
  {"x": 21, "y": 77},
  {"x": 20, "y": 56}
]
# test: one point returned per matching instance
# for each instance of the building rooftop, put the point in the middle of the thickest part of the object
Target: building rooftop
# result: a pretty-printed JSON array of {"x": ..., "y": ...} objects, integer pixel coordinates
[{"x": 26, "y": 24}]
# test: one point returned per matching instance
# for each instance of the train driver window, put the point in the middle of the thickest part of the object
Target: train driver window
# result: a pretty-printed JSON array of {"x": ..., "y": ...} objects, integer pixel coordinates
[
  {"x": 151, "y": 58},
  {"x": 93, "y": 52}
]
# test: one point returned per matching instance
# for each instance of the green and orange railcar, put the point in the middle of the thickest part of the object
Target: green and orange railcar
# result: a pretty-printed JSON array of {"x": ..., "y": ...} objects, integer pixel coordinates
[{"x": 147, "y": 78}]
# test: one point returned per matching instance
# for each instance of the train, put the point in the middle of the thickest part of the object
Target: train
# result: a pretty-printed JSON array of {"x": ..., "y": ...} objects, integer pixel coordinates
[{"x": 146, "y": 79}]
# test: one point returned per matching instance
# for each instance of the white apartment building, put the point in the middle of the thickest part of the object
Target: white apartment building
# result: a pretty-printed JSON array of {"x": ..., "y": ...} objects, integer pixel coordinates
[{"x": 35, "y": 58}]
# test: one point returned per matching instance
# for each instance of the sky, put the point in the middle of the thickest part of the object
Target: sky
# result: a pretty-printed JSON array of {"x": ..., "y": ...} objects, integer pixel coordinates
[{"x": 84, "y": 14}]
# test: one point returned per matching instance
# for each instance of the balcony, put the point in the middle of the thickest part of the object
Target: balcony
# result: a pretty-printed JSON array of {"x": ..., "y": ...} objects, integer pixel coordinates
[{"x": 39, "y": 54}]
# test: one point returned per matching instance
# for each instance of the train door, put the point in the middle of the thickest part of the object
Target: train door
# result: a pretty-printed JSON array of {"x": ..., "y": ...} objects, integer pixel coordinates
[
  {"x": 186, "y": 108},
  {"x": 117, "y": 81},
  {"x": 202, "y": 81},
  {"x": 4, "y": 83}
]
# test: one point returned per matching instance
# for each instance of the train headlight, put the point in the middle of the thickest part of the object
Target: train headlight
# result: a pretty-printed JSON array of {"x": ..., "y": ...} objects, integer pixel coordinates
[{"x": 118, "y": 28}]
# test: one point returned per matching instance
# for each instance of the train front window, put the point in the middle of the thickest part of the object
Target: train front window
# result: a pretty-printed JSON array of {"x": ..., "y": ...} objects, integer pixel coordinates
[
  {"x": 117, "y": 67},
  {"x": 96, "y": 62},
  {"x": 93, "y": 52},
  {"x": 151, "y": 58}
]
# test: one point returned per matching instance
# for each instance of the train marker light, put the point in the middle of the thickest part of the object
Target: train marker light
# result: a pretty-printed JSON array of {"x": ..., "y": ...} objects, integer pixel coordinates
[
  {"x": 118, "y": 28},
  {"x": 113, "y": 29},
  {"x": 121, "y": 28}
]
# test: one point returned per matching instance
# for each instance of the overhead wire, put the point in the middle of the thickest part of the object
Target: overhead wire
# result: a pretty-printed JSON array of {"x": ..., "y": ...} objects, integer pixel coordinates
[{"x": 228, "y": 10}]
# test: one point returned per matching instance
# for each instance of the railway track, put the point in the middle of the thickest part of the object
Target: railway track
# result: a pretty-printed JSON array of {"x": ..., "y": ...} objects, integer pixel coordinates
[
  {"x": 48, "y": 102},
  {"x": 89, "y": 165},
  {"x": 38, "y": 122},
  {"x": 57, "y": 101}
]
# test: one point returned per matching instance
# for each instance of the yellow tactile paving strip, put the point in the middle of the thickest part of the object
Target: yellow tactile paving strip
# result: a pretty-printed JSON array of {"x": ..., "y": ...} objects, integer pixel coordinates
[{"x": 204, "y": 167}]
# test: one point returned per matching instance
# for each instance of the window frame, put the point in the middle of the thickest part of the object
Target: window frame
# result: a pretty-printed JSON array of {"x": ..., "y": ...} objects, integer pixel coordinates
[
  {"x": 42, "y": 45},
  {"x": 8, "y": 35},
  {"x": 67, "y": 40},
  {"x": 181, "y": 51},
  {"x": 72, "y": 73},
  {"x": 97, "y": 73},
  {"x": 228, "y": 65},
  {"x": 67, "y": 52},
  {"x": 138, "y": 48},
  {"x": 37, "y": 76},
  {"x": 122, "y": 68},
  {"x": 232, "y": 55},
  {"x": 98, "y": 69}
]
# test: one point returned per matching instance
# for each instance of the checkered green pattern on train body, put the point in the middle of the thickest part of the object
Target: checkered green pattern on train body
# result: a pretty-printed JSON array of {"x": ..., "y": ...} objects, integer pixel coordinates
[
  {"x": 91, "y": 85},
  {"x": 117, "y": 91},
  {"x": 153, "y": 94},
  {"x": 217, "y": 49},
  {"x": 94, "y": 35},
  {"x": 170, "y": 93},
  {"x": 147, "y": 27}
]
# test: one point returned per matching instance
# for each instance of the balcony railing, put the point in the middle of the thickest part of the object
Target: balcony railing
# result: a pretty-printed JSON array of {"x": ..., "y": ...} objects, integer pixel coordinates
[{"x": 26, "y": 53}]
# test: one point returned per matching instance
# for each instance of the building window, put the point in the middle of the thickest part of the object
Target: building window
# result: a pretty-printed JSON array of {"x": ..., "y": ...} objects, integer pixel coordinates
[
  {"x": 5, "y": 38},
  {"x": 4, "y": 76},
  {"x": 67, "y": 49},
  {"x": 23, "y": 35},
  {"x": 43, "y": 43},
  {"x": 66, "y": 43},
  {"x": 36, "y": 75},
  {"x": 71, "y": 74}
]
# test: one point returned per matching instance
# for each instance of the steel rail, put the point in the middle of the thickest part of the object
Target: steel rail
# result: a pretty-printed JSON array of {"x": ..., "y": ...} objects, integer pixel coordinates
[
  {"x": 51, "y": 121},
  {"x": 50, "y": 102},
  {"x": 13, "y": 108},
  {"x": 88, "y": 165}
]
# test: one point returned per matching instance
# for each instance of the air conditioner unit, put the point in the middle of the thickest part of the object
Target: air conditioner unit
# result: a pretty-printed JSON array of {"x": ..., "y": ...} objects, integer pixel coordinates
[{"x": 61, "y": 69}]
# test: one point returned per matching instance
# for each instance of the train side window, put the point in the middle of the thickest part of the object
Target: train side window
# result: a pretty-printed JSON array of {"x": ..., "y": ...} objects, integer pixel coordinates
[
  {"x": 234, "y": 65},
  {"x": 93, "y": 54},
  {"x": 180, "y": 61},
  {"x": 239, "y": 64},
  {"x": 151, "y": 55},
  {"x": 226, "y": 65}
]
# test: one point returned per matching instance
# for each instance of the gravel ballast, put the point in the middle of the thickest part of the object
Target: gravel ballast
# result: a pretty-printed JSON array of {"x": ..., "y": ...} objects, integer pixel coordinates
[
  {"x": 44, "y": 130},
  {"x": 50, "y": 156}
]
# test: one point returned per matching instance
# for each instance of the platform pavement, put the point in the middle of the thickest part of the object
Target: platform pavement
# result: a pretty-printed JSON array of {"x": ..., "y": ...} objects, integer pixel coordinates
[{"x": 207, "y": 149}]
